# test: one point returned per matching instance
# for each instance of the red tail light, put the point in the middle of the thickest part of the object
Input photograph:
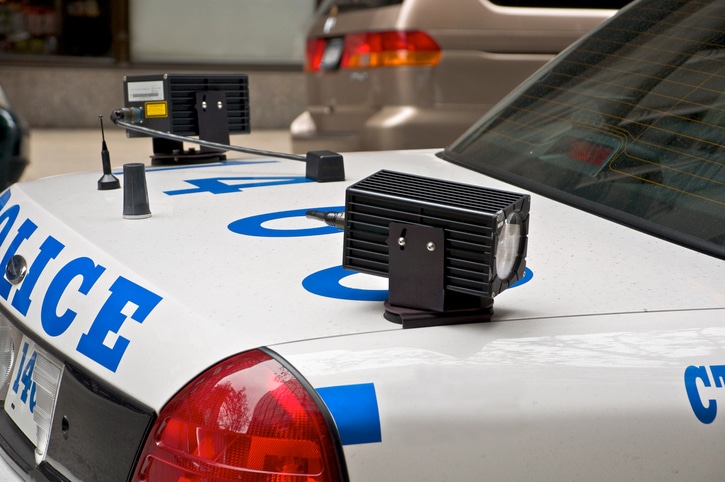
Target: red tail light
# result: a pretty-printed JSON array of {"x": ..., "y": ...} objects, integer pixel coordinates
[
  {"x": 315, "y": 52},
  {"x": 378, "y": 49},
  {"x": 246, "y": 419}
]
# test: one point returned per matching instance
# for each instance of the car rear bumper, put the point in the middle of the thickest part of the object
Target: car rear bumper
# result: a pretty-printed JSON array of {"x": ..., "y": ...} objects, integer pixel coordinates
[{"x": 390, "y": 128}]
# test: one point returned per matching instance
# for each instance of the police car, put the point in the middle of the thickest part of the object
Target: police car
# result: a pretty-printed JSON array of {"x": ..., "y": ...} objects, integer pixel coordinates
[{"x": 543, "y": 299}]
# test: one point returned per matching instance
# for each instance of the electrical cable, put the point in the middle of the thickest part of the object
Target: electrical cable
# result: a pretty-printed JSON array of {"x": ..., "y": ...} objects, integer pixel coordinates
[
  {"x": 334, "y": 219},
  {"x": 118, "y": 115}
]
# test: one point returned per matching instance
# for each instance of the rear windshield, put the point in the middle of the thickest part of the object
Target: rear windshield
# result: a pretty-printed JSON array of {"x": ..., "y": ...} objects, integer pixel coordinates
[
  {"x": 341, "y": 6},
  {"x": 629, "y": 125}
]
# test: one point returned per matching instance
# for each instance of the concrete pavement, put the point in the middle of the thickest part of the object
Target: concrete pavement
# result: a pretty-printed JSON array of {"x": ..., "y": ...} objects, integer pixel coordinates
[{"x": 60, "y": 151}]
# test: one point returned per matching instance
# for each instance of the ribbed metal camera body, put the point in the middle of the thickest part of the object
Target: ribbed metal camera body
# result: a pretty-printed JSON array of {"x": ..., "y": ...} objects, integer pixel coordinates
[{"x": 392, "y": 220}]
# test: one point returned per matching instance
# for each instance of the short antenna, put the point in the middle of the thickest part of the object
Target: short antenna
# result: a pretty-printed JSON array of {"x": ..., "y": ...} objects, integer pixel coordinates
[{"x": 108, "y": 180}]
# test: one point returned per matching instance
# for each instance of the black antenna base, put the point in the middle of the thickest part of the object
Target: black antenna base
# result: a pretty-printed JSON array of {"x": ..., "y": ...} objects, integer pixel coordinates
[{"x": 108, "y": 182}]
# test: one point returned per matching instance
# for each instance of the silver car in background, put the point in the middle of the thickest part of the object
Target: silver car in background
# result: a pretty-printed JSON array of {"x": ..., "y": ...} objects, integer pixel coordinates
[{"x": 400, "y": 74}]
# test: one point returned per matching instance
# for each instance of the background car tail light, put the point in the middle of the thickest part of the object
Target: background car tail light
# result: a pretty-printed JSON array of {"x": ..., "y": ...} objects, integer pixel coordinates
[
  {"x": 585, "y": 151},
  {"x": 379, "y": 49},
  {"x": 315, "y": 52},
  {"x": 246, "y": 419}
]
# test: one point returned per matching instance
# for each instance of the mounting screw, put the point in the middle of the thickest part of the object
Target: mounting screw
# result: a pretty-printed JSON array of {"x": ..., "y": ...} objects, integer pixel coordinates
[
  {"x": 401, "y": 241},
  {"x": 431, "y": 246},
  {"x": 16, "y": 269}
]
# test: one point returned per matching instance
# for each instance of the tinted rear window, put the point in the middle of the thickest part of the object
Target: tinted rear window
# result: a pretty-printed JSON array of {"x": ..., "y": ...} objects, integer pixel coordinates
[
  {"x": 350, "y": 5},
  {"x": 631, "y": 124}
]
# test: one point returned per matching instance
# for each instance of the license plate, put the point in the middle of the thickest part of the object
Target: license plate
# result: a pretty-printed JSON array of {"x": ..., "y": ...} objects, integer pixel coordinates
[
  {"x": 333, "y": 52},
  {"x": 32, "y": 391}
]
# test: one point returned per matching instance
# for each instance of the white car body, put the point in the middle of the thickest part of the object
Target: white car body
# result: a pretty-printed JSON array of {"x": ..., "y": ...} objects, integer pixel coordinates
[{"x": 613, "y": 349}]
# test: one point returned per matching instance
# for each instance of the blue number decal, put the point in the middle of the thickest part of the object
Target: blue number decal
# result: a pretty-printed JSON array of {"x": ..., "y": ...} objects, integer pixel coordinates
[
  {"x": 16, "y": 382},
  {"x": 27, "y": 380},
  {"x": 225, "y": 185},
  {"x": 327, "y": 283},
  {"x": 25, "y": 377}
]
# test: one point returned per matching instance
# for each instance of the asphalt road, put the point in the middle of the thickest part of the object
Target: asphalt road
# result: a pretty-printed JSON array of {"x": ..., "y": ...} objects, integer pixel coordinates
[{"x": 60, "y": 151}]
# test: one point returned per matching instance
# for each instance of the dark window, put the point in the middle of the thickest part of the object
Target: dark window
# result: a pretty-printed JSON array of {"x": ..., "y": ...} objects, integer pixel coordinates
[
  {"x": 630, "y": 124},
  {"x": 85, "y": 28}
]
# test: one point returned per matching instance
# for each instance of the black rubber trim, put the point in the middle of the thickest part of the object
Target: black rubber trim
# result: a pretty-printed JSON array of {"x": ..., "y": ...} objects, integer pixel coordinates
[{"x": 85, "y": 412}]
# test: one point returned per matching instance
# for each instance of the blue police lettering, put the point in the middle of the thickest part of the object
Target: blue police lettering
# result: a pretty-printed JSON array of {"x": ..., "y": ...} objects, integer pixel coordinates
[
  {"x": 224, "y": 185},
  {"x": 705, "y": 411},
  {"x": 7, "y": 219},
  {"x": 4, "y": 198},
  {"x": 85, "y": 268},
  {"x": 110, "y": 319},
  {"x": 50, "y": 248},
  {"x": 718, "y": 375},
  {"x": 56, "y": 319}
]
